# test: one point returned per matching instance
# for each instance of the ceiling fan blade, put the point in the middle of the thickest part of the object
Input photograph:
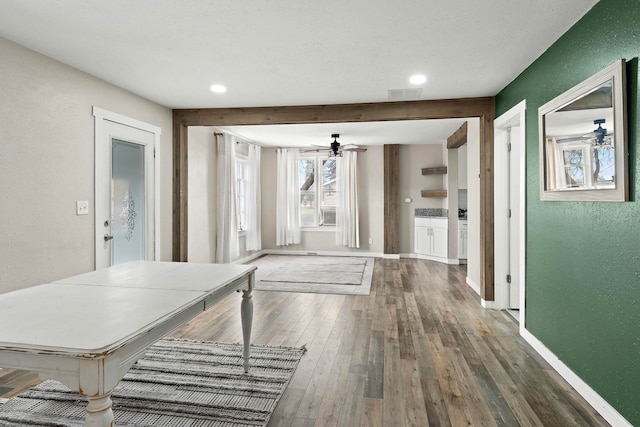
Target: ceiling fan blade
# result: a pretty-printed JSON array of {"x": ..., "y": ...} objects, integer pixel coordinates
[{"x": 353, "y": 147}]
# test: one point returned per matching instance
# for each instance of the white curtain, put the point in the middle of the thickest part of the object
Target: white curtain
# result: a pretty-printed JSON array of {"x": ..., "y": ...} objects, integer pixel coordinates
[
  {"x": 227, "y": 246},
  {"x": 254, "y": 208},
  {"x": 347, "y": 226},
  {"x": 287, "y": 197}
]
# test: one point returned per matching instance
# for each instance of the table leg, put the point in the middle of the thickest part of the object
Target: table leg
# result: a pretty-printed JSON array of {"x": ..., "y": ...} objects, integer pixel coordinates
[
  {"x": 246, "y": 311},
  {"x": 99, "y": 412}
]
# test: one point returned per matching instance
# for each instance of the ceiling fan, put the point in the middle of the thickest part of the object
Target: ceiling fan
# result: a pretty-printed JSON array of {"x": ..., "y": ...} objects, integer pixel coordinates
[
  {"x": 599, "y": 136},
  {"x": 335, "y": 149}
]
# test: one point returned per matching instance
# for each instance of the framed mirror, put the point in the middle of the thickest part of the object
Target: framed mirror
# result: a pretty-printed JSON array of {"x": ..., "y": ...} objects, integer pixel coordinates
[{"x": 583, "y": 144}]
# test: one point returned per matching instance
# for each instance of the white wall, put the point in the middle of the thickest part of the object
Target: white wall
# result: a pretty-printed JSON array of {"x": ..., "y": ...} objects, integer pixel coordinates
[
  {"x": 201, "y": 197},
  {"x": 370, "y": 205},
  {"x": 473, "y": 203},
  {"x": 47, "y": 163},
  {"x": 411, "y": 182}
]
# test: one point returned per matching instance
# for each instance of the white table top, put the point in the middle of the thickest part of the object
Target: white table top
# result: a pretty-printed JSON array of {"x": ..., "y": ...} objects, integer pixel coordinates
[
  {"x": 97, "y": 311},
  {"x": 163, "y": 275}
]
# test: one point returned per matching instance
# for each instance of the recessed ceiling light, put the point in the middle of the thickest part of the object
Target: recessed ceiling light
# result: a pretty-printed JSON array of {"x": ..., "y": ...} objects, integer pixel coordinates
[
  {"x": 218, "y": 88},
  {"x": 417, "y": 79}
]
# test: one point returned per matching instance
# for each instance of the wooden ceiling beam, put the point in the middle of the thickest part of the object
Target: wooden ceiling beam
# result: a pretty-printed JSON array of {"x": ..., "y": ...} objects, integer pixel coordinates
[
  {"x": 458, "y": 138},
  {"x": 338, "y": 113}
]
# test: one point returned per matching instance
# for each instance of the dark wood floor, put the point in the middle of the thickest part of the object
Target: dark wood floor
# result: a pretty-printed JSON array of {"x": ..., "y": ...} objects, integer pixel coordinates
[{"x": 419, "y": 351}]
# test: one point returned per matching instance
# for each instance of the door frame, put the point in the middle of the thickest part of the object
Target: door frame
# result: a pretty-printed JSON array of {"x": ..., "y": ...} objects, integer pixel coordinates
[
  {"x": 103, "y": 121},
  {"x": 501, "y": 124}
]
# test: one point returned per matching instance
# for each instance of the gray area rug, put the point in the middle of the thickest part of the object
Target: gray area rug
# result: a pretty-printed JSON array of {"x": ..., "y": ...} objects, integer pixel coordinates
[
  {"x": 315, "y": 274},
  {"x": 177, "y": 383}
]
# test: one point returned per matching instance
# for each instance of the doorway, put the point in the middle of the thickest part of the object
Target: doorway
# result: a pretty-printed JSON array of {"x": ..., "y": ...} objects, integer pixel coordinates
[
  {"x": 125, "y": 189},
  {"x": 509, "y": 212}
]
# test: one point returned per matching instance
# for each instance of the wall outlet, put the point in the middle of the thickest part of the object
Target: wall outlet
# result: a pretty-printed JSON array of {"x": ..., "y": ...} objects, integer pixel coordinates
[
  {"x": 370, "y": 240},
  {"x": 82, "y": 207}
]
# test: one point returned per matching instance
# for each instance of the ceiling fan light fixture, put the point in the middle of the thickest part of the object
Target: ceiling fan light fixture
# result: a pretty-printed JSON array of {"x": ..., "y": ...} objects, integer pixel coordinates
[
  {"x": 600, "y": 132},
  {"x": 335, "y": 146}
]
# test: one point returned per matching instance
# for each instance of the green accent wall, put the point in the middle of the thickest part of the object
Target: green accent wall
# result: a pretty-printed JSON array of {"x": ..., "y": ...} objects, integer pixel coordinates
[{"x": 583, "y": 258}]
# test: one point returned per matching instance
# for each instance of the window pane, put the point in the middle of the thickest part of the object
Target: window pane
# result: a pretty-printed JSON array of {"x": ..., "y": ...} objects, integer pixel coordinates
[
  {"x": 328, "y": 215},
  {"x": 329, "y": 193},
  {"x": 603, "y": 166},
  {"x": 574, "y": 167},
  {"x": 306, "y": 172},
  {"x": 307, "y": 208},
  {"x": 317, "y": 202},
  {"x": 328, "y": 170},
  {"x": 241, "y": 193}
]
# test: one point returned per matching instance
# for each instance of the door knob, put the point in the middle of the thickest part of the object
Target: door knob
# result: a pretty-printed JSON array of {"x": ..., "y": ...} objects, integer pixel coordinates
[{"x": 107, "y": 237}]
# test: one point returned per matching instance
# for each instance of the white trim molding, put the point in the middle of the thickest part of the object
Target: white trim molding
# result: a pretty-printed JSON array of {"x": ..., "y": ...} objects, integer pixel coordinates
[
  {"x": 514, "y": 117},
  {"x": 101, "y": 117},
  {"x": 607, "y": 411},
  {"x": 473, "y": 285}
]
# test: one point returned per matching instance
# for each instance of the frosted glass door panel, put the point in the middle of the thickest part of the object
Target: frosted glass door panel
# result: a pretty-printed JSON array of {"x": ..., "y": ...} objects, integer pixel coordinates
[{"x": 127, "y": 202}]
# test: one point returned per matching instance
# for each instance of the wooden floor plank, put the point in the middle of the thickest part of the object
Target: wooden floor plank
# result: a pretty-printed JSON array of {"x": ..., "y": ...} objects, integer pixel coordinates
[
  {"x": 418, "y": 351},
  {"x": 371, "y": 413}
]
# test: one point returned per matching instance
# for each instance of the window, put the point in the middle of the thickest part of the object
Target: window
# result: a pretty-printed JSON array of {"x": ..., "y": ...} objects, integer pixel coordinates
[
  {"x": 585, "y": 164},
  {"x": 242, "y": 169},
  {"x": 317, "y": 202}
]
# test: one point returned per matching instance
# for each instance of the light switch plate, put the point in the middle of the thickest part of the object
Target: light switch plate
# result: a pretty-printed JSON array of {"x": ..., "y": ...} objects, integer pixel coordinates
[{"x": 82, "y": 207}]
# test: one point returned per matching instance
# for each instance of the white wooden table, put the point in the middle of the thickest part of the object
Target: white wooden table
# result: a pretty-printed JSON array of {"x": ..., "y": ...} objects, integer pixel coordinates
[{"x": 88, "y": 330}]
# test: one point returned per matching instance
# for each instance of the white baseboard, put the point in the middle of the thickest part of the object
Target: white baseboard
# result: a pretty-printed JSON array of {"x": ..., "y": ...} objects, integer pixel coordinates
[
  {"x": 391, "y": 256},
  {"x": 491, "y": 305},
  {"x": 607, "y": 411},
  {"x": 473, "y": 285},
  {"x": 248, "y": 258},
  {"x": 436, "y": 259}
]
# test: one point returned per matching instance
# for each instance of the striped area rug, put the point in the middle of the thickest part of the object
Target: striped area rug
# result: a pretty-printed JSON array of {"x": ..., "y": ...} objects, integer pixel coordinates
[
  {"x": 177, "y": 383},
  {"x": 342, "y": 275}
]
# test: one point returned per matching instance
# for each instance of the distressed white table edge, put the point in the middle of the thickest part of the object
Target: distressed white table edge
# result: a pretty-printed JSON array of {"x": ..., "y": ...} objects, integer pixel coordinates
[{"x": 94, "y": 373}]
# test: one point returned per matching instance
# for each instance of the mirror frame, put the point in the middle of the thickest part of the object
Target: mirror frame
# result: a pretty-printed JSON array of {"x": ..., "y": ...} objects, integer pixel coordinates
[{"x": 620, "y": 193}]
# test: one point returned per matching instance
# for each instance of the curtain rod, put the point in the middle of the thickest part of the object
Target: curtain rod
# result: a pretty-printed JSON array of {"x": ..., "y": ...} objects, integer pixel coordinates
[{"x": 237, "y": 141}]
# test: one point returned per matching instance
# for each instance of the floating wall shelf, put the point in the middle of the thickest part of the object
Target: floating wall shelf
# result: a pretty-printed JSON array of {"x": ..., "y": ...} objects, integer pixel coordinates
[
  {"x": 434, "y": 193},
  {"x": 441, "y": 170}
]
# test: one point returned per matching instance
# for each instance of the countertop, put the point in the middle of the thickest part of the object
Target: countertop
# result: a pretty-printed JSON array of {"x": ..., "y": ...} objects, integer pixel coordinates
[{"x": 460, "y": 218}]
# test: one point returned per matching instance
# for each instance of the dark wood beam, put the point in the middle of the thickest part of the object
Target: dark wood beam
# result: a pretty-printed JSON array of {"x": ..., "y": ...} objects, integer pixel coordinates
[
  {"x": 458, "y": 138},
  {"x": 339, "y": 113},
  {"x": 391, "y": 196},
  {"x": 180, "y": 190},
  {"x": 487, "y": 264}
]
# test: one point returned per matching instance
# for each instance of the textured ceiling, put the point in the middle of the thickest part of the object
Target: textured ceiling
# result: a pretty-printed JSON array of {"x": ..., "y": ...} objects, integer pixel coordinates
[{"x": 292, "y": 52}]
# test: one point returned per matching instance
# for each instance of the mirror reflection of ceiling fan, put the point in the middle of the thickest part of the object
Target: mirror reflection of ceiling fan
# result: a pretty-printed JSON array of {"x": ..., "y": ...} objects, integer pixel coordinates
[
  {"x": 599, "y": 136},
  {"x": 335, "y": 149}
]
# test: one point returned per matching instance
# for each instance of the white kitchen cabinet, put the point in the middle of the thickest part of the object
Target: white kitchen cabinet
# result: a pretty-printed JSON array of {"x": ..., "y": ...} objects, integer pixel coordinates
[
  {"x": 431, "y": 237},
  {"x": 462, "y": 240}
]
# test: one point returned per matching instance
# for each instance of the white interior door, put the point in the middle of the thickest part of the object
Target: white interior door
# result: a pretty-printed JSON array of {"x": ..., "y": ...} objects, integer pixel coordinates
[
  {"x": 125, "y": 193},
  {"x": 513, "y": 232},
  {"x": 509, "y": 197}
]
